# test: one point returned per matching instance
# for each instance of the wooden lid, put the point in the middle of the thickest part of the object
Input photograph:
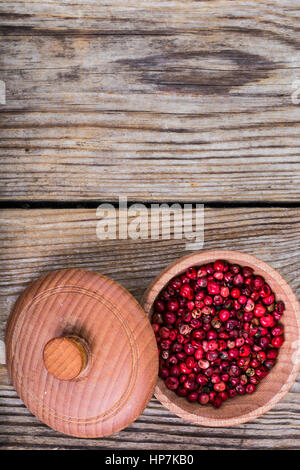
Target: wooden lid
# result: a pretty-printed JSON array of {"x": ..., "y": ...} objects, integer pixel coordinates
[{"x": 81, "y": 353}]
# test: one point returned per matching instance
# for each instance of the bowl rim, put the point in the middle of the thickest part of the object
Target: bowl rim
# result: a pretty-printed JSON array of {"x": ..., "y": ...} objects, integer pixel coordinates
[{"x": 245, "y": 259}]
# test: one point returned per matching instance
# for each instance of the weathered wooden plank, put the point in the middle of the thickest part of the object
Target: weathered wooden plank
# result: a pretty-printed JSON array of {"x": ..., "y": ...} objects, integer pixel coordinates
[
  {"x": 141, "y": 97},
  {"x": 36, "y": 241},
  {"x": 144, "y": 17},
  {"x": 156, "y": 428}
]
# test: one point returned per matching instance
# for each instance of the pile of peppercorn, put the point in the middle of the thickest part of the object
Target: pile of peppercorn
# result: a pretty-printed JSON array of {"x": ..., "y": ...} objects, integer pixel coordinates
[{"x": 217, "y": 330}]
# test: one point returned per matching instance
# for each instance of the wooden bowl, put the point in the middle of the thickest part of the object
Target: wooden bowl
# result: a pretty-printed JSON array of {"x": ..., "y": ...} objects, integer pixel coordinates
[{"x": 281, "y": 377}]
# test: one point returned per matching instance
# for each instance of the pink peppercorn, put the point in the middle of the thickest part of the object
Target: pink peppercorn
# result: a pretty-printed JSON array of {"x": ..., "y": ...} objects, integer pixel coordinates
[{"x": 217, "y": 332}]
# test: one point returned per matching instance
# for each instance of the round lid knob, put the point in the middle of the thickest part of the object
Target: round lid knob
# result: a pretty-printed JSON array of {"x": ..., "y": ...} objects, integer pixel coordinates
[
  {"x": 81, "y": 353},
  {"x": 65, "y": 357}
]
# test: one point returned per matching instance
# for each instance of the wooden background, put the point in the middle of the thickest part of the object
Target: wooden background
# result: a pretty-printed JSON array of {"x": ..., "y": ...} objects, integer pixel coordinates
[{"x": 176, "y": 101}]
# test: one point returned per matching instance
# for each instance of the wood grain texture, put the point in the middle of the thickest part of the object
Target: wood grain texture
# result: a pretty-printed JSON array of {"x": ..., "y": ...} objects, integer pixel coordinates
[
  {"x": 121, "y": 352},
  {"x": 165, "y": 100},
  {"x": 280, "y": 379},
  {"x": 36, "y": 241},
  {"x": 141, "y": 97}
]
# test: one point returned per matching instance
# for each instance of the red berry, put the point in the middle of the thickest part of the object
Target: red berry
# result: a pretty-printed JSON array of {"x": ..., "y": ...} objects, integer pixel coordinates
[
  {"x": 189, "y": 384},
  {"x": 245, "y": 350},
  {"x": 169, "y": 317},
  {"x": 159, "y": 306},
  {"x": 219, "y": 276},
  {"x": 175, "y": 283},
  {"x": 208, "y": 300},
  {"x": 220, "y": 386},
  {"x": 232, "y": 393},
  {"x": 192, "y": 397},
  {"x": 203, "y": 398},
  {"x": 191, "y": 273},
  {"x": 279, "y": 307},
  {"x": 268, "y": 300},
  {"x": 242, "y": 299},
  {"x": 249, "y": 305},
  {"x": 250, "y": 388},
  {"x": 201, "y": 272},
  {"x": 173, "y": 305},
  {"x": 269, "y": 363},
  {"x": 212, "y": 334},
  {"x": 264, "y": 342},
  {"x": 182, "y": 392},
  {"x": 202, "y": 282},
  {"x": 254, "y": 363},
  {"x": 259, "y": 310},
  {"x": 235, "y": 293},
  {"x": 235, "y": 268},
  {"x": 239, "y": 342},
  {"x": 240, "y": 389},
  {"x": 203, "y": 364},
  {"x": 257, "y": 283},
  {"x": 218, "y": 299},
  {"x": 224, "y": 315},
  {"x": 172, "y": 383},
  {"x": 219, "y": 265},
  {"x": 209, "y": 268},
  {"x": 234, "y": 371},
  {"x": 225, "y": 377},
  {"x": 165, "y": 344},
  {"x": 277, "y": 341},
  {"x": 175, "y": 371},
  {"x": 201, "y": 379},
  {"x": 238, "y": 280},
  {"x": 261, "y": 373},
  {"x": 272, "y": 354},
  {"x": 173, "y": 335},
  {"x": 228, "y": 277},
  {"x": 217, "y": 402},
  {"x": 247, "y": 271},
  {"x": 190, "y": 362},
  {"x": 187, "y": 292},
  {"x": 223, "y": 396},
  {"x": 198, "y": 334},
  {"x": 164, "y": 372},
  {"x": 254, "y": 295},
  {"x": 212, "y": 345},
  {"x": 264, "y": 291},
  {"x": 164, "y": 332},
  {"x": 224, "y": 291},
  {"x": 222, "y": 345},
  {"x": 267, "y": 320},
  {"x": 213, "y": 287},
  {"x": 233, "y": 353},
  {"x": 199, "y": 354},
  {"x": 261, "y": 356},
  {"x": 188, "y": 348},
  {"x": 185, "y": 369}
]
